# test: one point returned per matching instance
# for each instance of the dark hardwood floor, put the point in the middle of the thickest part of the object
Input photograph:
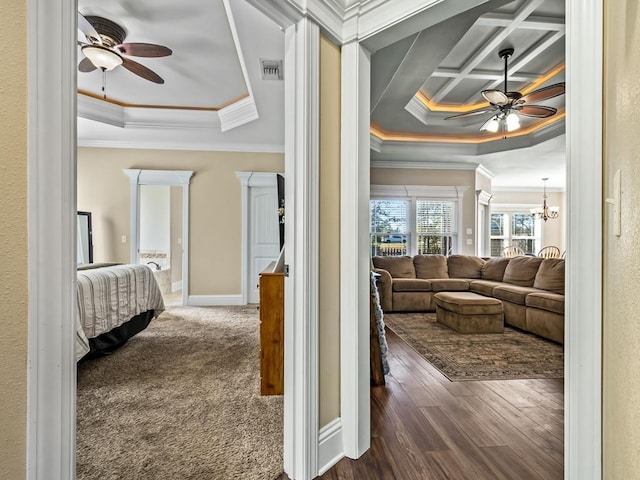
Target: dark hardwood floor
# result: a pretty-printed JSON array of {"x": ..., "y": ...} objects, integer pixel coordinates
[{"x": 425, "y": 427}]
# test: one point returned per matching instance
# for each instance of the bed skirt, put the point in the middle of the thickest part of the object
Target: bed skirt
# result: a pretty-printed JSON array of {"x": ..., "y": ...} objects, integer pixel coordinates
[{"x": 108, "y": 342}]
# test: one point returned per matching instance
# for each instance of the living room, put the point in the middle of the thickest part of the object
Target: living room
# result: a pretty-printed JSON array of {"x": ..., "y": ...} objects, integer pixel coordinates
[{"x": 444, "y": 185}]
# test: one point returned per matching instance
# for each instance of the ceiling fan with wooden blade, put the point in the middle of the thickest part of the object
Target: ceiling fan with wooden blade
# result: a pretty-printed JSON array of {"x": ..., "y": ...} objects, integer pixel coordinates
[
  {"x": 105, "y": 48},
  {"x": 505, "y": 106}
]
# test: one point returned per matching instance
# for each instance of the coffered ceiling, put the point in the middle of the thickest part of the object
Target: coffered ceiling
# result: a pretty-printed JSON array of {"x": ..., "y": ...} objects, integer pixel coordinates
[
  {"x": 439, "y": 72},
  {"x": 214, "y": 96}
]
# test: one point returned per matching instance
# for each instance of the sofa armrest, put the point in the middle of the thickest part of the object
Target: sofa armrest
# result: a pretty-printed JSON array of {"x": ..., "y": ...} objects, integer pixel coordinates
[{"x": 385, "y": 290}]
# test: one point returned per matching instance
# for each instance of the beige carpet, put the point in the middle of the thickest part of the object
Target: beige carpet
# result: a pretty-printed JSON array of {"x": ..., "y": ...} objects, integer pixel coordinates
[
  {"x": 180, "y": 401},
  {"x": 489, "y": 356}
]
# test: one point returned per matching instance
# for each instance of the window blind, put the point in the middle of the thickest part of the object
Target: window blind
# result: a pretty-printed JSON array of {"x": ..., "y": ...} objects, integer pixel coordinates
[
  {"x": 389, "y": 216},
  {"x": 436, "y": 217}
]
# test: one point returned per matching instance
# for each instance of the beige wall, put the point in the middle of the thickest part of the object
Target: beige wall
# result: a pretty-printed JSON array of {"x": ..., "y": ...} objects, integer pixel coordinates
[
  {"x": 464, "y": 178},
  {"x": 621, "y": 328},
  {"x": 553, "y": 231},
  {"x": 215, "y": 208},
  {"x": 13, "y": 241},
  {"x": 329, "y": 294}
]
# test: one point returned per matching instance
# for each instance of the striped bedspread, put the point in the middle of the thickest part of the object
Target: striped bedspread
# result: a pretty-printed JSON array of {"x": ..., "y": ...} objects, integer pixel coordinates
[{"x": 111, "y": 296}]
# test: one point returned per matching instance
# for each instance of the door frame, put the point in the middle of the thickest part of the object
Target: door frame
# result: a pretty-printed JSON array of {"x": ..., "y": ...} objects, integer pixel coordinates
[
  {"x": 247, "y": 181},
  {"x": 169, "y": 178},
  {"x": 52, "y": 210}
]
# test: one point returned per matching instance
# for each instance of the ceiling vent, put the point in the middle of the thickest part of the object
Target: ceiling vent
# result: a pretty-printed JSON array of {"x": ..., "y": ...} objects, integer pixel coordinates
[{"x": 271, "y": 69}]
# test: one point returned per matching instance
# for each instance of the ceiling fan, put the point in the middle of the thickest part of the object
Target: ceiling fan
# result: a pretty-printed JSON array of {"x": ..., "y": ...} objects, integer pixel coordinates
[
  {"x": 104, "y": 48},
  {"x": 506, "y": 105}
]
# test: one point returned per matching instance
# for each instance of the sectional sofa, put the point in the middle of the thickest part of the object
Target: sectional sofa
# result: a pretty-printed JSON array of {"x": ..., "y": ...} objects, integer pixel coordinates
[{"x": 531, "y": 289}]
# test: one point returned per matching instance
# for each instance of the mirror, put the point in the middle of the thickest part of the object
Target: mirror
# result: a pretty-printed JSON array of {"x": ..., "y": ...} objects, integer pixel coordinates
[{"x": 85, "y": 239}]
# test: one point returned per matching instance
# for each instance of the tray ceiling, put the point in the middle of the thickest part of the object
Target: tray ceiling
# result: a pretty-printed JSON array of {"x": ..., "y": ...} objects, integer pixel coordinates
[{"x": 440, "y": 71}]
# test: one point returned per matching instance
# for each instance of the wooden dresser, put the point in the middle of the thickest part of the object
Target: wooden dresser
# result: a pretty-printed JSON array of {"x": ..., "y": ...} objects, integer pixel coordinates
[{"x": 271, "y": 331}]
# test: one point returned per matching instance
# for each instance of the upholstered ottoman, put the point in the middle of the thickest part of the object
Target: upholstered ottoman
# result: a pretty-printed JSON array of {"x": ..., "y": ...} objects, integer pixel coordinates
[{"x": 468, "y": 312}]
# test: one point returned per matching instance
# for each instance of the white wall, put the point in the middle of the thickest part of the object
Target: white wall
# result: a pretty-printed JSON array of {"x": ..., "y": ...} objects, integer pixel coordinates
[{"x": 155, "y": 225}]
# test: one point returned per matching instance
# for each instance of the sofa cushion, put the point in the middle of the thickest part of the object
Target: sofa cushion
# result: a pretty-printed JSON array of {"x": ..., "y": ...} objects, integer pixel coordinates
[
  {"x": 483, "y": 287},
  {"x": 550, "y": 275},
  {"x": 551, "y": 302},
  {"x": 411, "y": 285},
  {"x": 398, "y": 267},
  {"x": 467, "y": 303},
  {"x": 513, "y": 293},
  {"x": 522, "y": 271},
  {"x": 493, "y": 269},
  {"x": 449, "y": 285},
  {"x": 464, "y": 266},
  {"x": 430, "y": 266}
]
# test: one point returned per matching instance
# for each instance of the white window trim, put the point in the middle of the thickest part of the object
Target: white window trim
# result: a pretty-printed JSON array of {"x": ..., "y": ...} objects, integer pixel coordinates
[
  {"x": 510, "y": 209},
  {"x": 413, "y": 193}
]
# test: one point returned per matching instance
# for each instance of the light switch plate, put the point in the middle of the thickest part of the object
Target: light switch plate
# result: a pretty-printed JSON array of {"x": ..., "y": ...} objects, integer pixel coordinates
[
  {"x": 124, "y": 239},
  {"x": 469, "y": 241},
  {"x": 469, "y": 231}
]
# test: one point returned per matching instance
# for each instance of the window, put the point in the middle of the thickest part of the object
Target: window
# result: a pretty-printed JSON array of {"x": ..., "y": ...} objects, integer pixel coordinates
[
  {"x": 415, "y": 225},
  {"x": 389, "y": 228},
  {"x": 435, "y": 226},
  {"x": 515, "y": 228}
]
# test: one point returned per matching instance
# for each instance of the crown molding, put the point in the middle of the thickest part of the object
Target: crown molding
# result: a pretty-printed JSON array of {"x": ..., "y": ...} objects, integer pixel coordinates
[
  {"x": 376, "y": 143},
  {"x": 239, "y": 113},
  {"x": 418, "y": 109},
  {"x": 187, "y": 146},
  {"x": 341, "y": 20},
  {"x": 485, "y": 171},
  {"x": 505, "y": 188},
  {"x": 136, "y": 117},
  {"x": 424, "y": 165},
  {"x": 100, "y": 111}
]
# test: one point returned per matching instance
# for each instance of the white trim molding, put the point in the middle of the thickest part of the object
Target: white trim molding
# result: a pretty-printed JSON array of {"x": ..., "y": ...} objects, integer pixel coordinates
[
  {"x": 302, "y": 46},
  {"x": 424, "y": 165},
  {"x": 583, "y": 309},
  {"x": 51, "y": 210},
  {"x": 248, "y": 180},
  {"x": 214, "y": 300},
  {"x": 330, "y": 446},
  {"x": 189, "y": 146},
  {"x": 354, "y": 250},
  {"x": 181, "y": 178}
]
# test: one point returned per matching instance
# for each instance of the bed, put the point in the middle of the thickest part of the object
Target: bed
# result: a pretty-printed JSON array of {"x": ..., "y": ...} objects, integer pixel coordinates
[{"x": 115, "y": 302}]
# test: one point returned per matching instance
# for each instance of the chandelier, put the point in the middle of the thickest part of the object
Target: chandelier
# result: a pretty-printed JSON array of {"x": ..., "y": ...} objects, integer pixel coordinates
[{"x": 545, "y": 212}]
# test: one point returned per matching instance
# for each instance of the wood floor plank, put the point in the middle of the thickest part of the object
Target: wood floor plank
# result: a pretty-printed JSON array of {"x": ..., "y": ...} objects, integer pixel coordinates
[
  {"x": 510, "y": 464},
  {"x": 424, "y": 427}
]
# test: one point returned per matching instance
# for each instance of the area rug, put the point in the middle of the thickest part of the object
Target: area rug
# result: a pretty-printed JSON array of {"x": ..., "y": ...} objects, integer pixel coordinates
[
  {"x": 488, "y": 356},
  {"x": 181, "y": 400}
]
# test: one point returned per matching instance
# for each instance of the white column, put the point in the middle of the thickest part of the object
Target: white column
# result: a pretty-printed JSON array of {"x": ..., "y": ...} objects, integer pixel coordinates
[
  {"x": 354, "y": 251},
  {"x": 301, "y": 251},
  {"x": 583, "y": 309},
  {"x": 51, "y": 367}
]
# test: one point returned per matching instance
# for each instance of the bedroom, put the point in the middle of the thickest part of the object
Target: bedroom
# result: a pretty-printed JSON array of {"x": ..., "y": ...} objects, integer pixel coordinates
[{"x": 213, "y": 117}]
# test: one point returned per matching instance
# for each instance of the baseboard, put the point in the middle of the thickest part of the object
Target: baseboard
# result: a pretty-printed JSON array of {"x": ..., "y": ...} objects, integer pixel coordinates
[
  {"x": 214, "y": 300},
  {"x": 176, "y": 286},
  {"x": 330, "y": 446}
]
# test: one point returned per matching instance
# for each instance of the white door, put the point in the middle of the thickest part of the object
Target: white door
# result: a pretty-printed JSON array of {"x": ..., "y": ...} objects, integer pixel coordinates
[{"x": 264, "y": 240}]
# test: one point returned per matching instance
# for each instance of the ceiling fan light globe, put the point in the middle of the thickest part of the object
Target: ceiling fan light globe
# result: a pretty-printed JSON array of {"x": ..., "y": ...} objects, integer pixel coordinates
[
  {"x": 102, "y": 57},
  {"x": 513, "y": 122},
  {"x": 493, "y": 125}
]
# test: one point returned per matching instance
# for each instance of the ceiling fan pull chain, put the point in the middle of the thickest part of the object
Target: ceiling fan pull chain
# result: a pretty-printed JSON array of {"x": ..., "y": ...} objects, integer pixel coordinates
[{"x": 104, "y": 83}]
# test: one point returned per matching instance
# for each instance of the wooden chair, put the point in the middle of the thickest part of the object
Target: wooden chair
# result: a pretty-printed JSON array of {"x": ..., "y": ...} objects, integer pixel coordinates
[
  {"x": 549, "y": 251},
  {"x": 512, "y": 251}
]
